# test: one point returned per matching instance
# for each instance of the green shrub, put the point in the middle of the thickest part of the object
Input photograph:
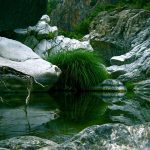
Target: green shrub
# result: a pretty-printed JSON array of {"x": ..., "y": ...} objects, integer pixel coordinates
[
  {"x": 83, "y": 27},
  {"x": 81, "y": 69},
  {"x": 147, "y": 6},
  {"x": 52, "y": 4},
  {"x": 79, "y": 30},
  {"x": 72, "y": 34}
]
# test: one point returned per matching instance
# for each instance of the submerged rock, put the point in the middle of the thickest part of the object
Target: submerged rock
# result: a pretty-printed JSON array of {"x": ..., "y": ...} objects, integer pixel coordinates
[
  {"x": 26, "y": 143},
  {"x": 21, "y": 58},
  {"x": 44, "y": 39}
]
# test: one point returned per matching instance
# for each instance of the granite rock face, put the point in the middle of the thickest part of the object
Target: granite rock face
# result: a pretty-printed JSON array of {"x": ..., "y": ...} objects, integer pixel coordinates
[
  {"x": 128, "y": 30},
  {"x": 120, "y": 27},
  {"x": 109, "y": 136},
  {"x": 22, "y": 59},
  {"x": 44, "y": 39},
  {"x": 26, "y": 143}
]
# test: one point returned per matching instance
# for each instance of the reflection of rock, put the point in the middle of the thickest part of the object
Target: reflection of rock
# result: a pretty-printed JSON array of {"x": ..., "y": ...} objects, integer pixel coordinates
[
  {"x": 26, "y": 143},
  {"x": 142, "y": 89},
  {"x": 15, "y": 120},
  {"x": 43, "y": 39},
  {"x": 130, "y": 110},
  {"x": 142, "y": 86},
  {"x": 21, "y": 58},
  {"x": 112, "y": 97},
  {"x": 109, "y": 137},
  {"x": 110, "y": 85}
]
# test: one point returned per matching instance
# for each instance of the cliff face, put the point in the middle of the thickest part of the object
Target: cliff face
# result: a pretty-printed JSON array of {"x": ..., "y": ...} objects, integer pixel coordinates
[{"x": 70, "y": 12}]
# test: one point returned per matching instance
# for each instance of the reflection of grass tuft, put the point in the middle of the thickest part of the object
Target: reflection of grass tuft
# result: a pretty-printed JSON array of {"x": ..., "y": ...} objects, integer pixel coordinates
[
  {"x": 129, "y": 86},
  {"x": 81, "y": 69}
]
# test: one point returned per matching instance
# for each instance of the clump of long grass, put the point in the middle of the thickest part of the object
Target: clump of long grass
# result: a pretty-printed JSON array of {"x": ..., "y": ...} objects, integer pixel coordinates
[{"x": 81, "y": 69}]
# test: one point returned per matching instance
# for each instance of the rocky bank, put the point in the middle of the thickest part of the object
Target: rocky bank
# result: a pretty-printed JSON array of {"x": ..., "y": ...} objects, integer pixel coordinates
[
  {"x": 124, "y": 30},
  {"x": 105, "y": 137}
]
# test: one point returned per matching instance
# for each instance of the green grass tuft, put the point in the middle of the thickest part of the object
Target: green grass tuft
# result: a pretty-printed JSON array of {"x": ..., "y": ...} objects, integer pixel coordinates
[{"x": 81, "y": 69}]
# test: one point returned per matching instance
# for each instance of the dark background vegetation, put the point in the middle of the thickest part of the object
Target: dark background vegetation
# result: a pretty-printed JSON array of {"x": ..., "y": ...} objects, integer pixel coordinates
[{"x": 20, "y": 13}]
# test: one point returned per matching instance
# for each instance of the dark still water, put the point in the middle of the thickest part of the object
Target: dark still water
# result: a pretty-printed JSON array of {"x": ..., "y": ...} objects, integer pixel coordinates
[{"x": 59, "y": 116}]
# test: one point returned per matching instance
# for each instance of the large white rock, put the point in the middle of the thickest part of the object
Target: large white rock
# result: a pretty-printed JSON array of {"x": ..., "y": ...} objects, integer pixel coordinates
[
  {"x": 58, "y": 44},
  {"x": 44, "y": 39},
  {"x": 15, "y": 55}
]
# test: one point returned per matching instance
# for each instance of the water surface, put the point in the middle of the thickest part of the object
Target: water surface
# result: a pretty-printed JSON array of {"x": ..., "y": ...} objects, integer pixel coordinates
[{"x": 58, "y": 116}]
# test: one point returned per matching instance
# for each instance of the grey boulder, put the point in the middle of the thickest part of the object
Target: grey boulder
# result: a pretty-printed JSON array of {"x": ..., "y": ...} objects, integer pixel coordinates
[{"x": 25, "y": 143}]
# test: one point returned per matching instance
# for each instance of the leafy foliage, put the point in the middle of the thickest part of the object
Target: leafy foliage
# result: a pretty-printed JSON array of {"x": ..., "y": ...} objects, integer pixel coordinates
[
  {"x": 81, "y": 69},
  {"x": 52, "y": 4}
]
